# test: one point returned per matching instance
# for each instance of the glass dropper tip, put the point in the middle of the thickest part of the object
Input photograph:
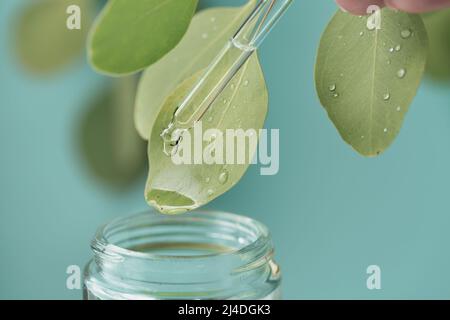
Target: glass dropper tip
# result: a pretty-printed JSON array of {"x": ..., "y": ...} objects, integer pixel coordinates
[{"x": 171, "y": 137}]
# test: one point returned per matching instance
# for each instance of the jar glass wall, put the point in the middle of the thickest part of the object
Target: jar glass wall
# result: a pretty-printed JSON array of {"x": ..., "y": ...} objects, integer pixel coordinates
[{"x": 199, "y": 255}]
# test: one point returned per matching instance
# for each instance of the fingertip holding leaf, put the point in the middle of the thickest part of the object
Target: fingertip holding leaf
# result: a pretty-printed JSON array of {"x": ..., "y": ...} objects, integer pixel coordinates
[
  {"x": 131, "y": 35},
  {"x": 209, "y": 31},
  {"x": 43, "y": 42},
  {"x": 366, "y": 79},
  {"x": 176, "y": 188}
]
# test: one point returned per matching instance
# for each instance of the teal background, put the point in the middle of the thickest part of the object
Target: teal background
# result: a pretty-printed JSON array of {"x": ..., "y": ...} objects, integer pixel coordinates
[{"x": 332, "y": 212}]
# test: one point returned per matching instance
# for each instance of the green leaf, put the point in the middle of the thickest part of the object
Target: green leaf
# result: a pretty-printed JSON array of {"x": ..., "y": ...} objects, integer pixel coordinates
[
  {"x": 131, "y": 35},
  {"x": 243, "y": 104},
  {"x": 109, "y": 143},
  {"x": 366, "y": 79},
  {"x": 438, "y": 28},
  {"x": 209, "y": 31},
  {"x": 43, "y": 42}
]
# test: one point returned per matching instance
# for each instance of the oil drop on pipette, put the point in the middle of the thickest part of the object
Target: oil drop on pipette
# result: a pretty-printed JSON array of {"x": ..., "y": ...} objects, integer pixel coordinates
[{"x": 232, "y": 57}]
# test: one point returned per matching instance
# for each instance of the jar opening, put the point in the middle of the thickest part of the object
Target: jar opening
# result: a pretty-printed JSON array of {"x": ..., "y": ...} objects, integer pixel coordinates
[{"x": 195, "y": 235}]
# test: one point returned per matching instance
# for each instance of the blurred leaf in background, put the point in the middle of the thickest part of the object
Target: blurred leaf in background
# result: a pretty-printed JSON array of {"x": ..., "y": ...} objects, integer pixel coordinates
[
  {"x": 438, "y": 28},
  {"x": 43, "y": 42},
  {"x": 131, "y": 35},
  {"x": 109, "y": 143}
]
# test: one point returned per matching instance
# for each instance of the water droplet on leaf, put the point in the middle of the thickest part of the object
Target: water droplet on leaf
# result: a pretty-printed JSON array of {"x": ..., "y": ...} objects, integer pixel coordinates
[
  {"x": 223, "y": 177},
  {"x": 405, "y": 34},
  {"x": 401, "y": 73}
]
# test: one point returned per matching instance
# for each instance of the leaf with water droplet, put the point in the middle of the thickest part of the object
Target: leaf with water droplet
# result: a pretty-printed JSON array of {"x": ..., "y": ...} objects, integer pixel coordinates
[
  {"x": 369, "y": 95},
  {"x": 131, "y": 35},
  {"x": 192, "y": 54},
  {"x": 43, "y": 42},
  {"x": 438, "y": 28},
  {"x": 173, "y": 188}
]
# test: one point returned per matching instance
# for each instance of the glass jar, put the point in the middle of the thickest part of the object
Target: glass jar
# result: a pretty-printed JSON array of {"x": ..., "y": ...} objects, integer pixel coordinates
[{"x": 198, "y": 255}]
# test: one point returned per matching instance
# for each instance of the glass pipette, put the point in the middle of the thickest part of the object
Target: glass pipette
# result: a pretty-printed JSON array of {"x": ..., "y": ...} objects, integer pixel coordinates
[{"x": 232, "y": 57}]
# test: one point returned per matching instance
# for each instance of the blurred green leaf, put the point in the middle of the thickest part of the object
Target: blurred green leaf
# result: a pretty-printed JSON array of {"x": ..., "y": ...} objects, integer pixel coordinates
[
  {"x": 131, "y": 35},
  {"x": 366, "y": 79},
  {"x": 208, "y": 33},
  {"x": 173, "y": 188},
  {"x": 43, "y": 42},
  {"x": 438, "y": 28},
  {"x": 109, "y": 143}
]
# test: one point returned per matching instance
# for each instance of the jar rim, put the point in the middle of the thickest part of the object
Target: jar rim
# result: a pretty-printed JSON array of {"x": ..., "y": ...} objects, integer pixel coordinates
[{"x": 261, "y": 241}]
